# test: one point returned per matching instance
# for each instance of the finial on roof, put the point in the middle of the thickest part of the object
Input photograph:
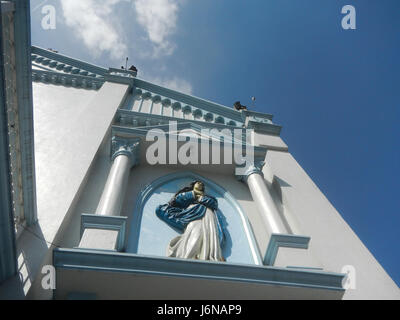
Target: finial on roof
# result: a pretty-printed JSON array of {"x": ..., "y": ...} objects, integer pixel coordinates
[{"x": 253, "y": 101}]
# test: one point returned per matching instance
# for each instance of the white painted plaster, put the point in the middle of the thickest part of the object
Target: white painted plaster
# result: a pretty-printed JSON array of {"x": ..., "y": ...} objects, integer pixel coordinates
[{"x": 70, "y": 125}]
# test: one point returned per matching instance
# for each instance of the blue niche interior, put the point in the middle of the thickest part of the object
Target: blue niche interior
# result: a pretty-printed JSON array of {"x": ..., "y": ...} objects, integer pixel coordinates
[{"x": 150, "y": 236}]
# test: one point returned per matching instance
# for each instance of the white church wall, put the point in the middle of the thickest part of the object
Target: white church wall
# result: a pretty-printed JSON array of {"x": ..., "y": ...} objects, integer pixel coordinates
[
  {"x": 333, "y": 244},
  {"x": 302, "y": 206},
  {"x": 270, "y": 141},
  {"x": 70, "y": 125},
  {"x": 143, "y": 175}
]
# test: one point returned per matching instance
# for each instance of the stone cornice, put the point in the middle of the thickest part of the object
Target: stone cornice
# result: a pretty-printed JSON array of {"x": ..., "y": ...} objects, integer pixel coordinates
[
  {"x": 64, "y": 63},
  {"x": 96, "y": 260},
  {"x": 123, "y": 132},
  {"x": 67, "y": 80},
  {"x": 126, "y": 117},
  {"x": 74, "y": 69},
  {"x": 203, "y": 104}
]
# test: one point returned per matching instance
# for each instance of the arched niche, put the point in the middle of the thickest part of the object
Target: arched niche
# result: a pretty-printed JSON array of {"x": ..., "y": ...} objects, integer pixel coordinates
[{"x": 149, "y": 235}]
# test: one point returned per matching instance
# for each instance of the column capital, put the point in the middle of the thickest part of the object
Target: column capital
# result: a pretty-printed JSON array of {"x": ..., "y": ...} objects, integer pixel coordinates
[
  {"x": 126, "y": 146},
  {"x": 243, "y": 173}
]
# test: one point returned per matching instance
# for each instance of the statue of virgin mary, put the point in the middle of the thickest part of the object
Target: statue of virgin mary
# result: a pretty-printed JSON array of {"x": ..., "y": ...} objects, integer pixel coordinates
[{"x": 195, "y": 214}]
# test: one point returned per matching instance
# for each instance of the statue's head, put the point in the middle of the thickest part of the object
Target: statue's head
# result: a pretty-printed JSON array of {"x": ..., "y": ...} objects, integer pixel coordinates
[{"x": 198, "y": 186}]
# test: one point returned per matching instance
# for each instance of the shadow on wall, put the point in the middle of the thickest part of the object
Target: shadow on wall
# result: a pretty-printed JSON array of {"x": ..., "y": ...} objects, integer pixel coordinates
[{"x": 31, "y": 250}]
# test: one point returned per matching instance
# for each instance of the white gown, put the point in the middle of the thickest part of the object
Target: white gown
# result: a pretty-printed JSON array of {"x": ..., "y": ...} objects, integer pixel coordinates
[{"x": 199, "y": 241}]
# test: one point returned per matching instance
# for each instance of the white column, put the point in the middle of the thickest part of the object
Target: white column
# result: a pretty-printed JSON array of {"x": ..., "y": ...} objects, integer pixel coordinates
[
  {"x": 254, "y": 178},
  {"x": 279, "y": 235},
  {"x": 124, "y": 155}
]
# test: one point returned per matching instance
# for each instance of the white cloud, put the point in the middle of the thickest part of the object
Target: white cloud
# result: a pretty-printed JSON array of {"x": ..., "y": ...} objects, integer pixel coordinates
[
  {"x": 96, "y": 24},
  {"x": 158, "y": 18},
  {"x": 91, "y": 21},
  {"x": 173, "y": 83}
]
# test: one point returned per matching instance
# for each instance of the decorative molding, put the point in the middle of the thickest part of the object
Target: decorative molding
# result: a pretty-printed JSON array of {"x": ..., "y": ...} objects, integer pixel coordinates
[
  {"x": 145, "y": 194},
  {"x": 212, "y": 112},
  {"x": 95, "y": 260},
  {"x": 283, "y": 240},
  {"x": 70, "y": 64},
  {"x": 257, "y": 116},
  {"x": 125, "y": 132},
  {"x": 94, "y": 221},
  {"x": 189, "y": 100},
  {"x": 198, "y": 114},
  {"x": 261, "y": 122},
  {"x": 156, "y": 119},
  {"x": 263, "y": 127},
  {"x": 67, "y": 80},
  {"x": 254, "y": 168},
  {"x": 128, "y": 147}
]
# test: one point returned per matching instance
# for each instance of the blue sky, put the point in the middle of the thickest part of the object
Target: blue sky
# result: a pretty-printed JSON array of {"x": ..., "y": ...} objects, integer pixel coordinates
[{"x": 335, "y": 92}]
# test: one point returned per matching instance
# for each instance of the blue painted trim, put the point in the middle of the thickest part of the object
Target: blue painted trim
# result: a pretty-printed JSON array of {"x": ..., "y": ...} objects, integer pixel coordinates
[
  {"x": 176, "y": 105},
  {"x": 259, "y": 152},
  {"x": 22, "y": 39},
  {"x": 255, "y": 114},
  {"x": 117, "y": 223},
  {"x": 304, "y": 268},
  {"x": 147, "y": 192},
  {"x": 268, "y": 128},
  {"x": 220, "y": 113},
  {"x": 128, "y": 147},
  {"x": 212, "y": 110},
  {"x": 181, "y": 125},
  {"x": 255, "y": 168},
  {"x": 206, "y": 105},
  {"x": 283, "y": 240},
  {"x": 69, "y": 61},
  {"x": 67, "y": 80},
  {"x": 156, "y": 118},
  {"x": 8, "y": 259},
  {"x": 90, "y": 260}
]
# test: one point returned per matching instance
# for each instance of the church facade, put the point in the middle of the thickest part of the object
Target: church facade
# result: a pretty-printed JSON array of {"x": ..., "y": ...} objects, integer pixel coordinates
[{"x": 110, "y": 153}]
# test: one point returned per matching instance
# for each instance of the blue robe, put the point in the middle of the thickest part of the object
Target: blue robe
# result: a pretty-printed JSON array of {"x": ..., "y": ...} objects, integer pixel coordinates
[{"x": 180, "y": 216}]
